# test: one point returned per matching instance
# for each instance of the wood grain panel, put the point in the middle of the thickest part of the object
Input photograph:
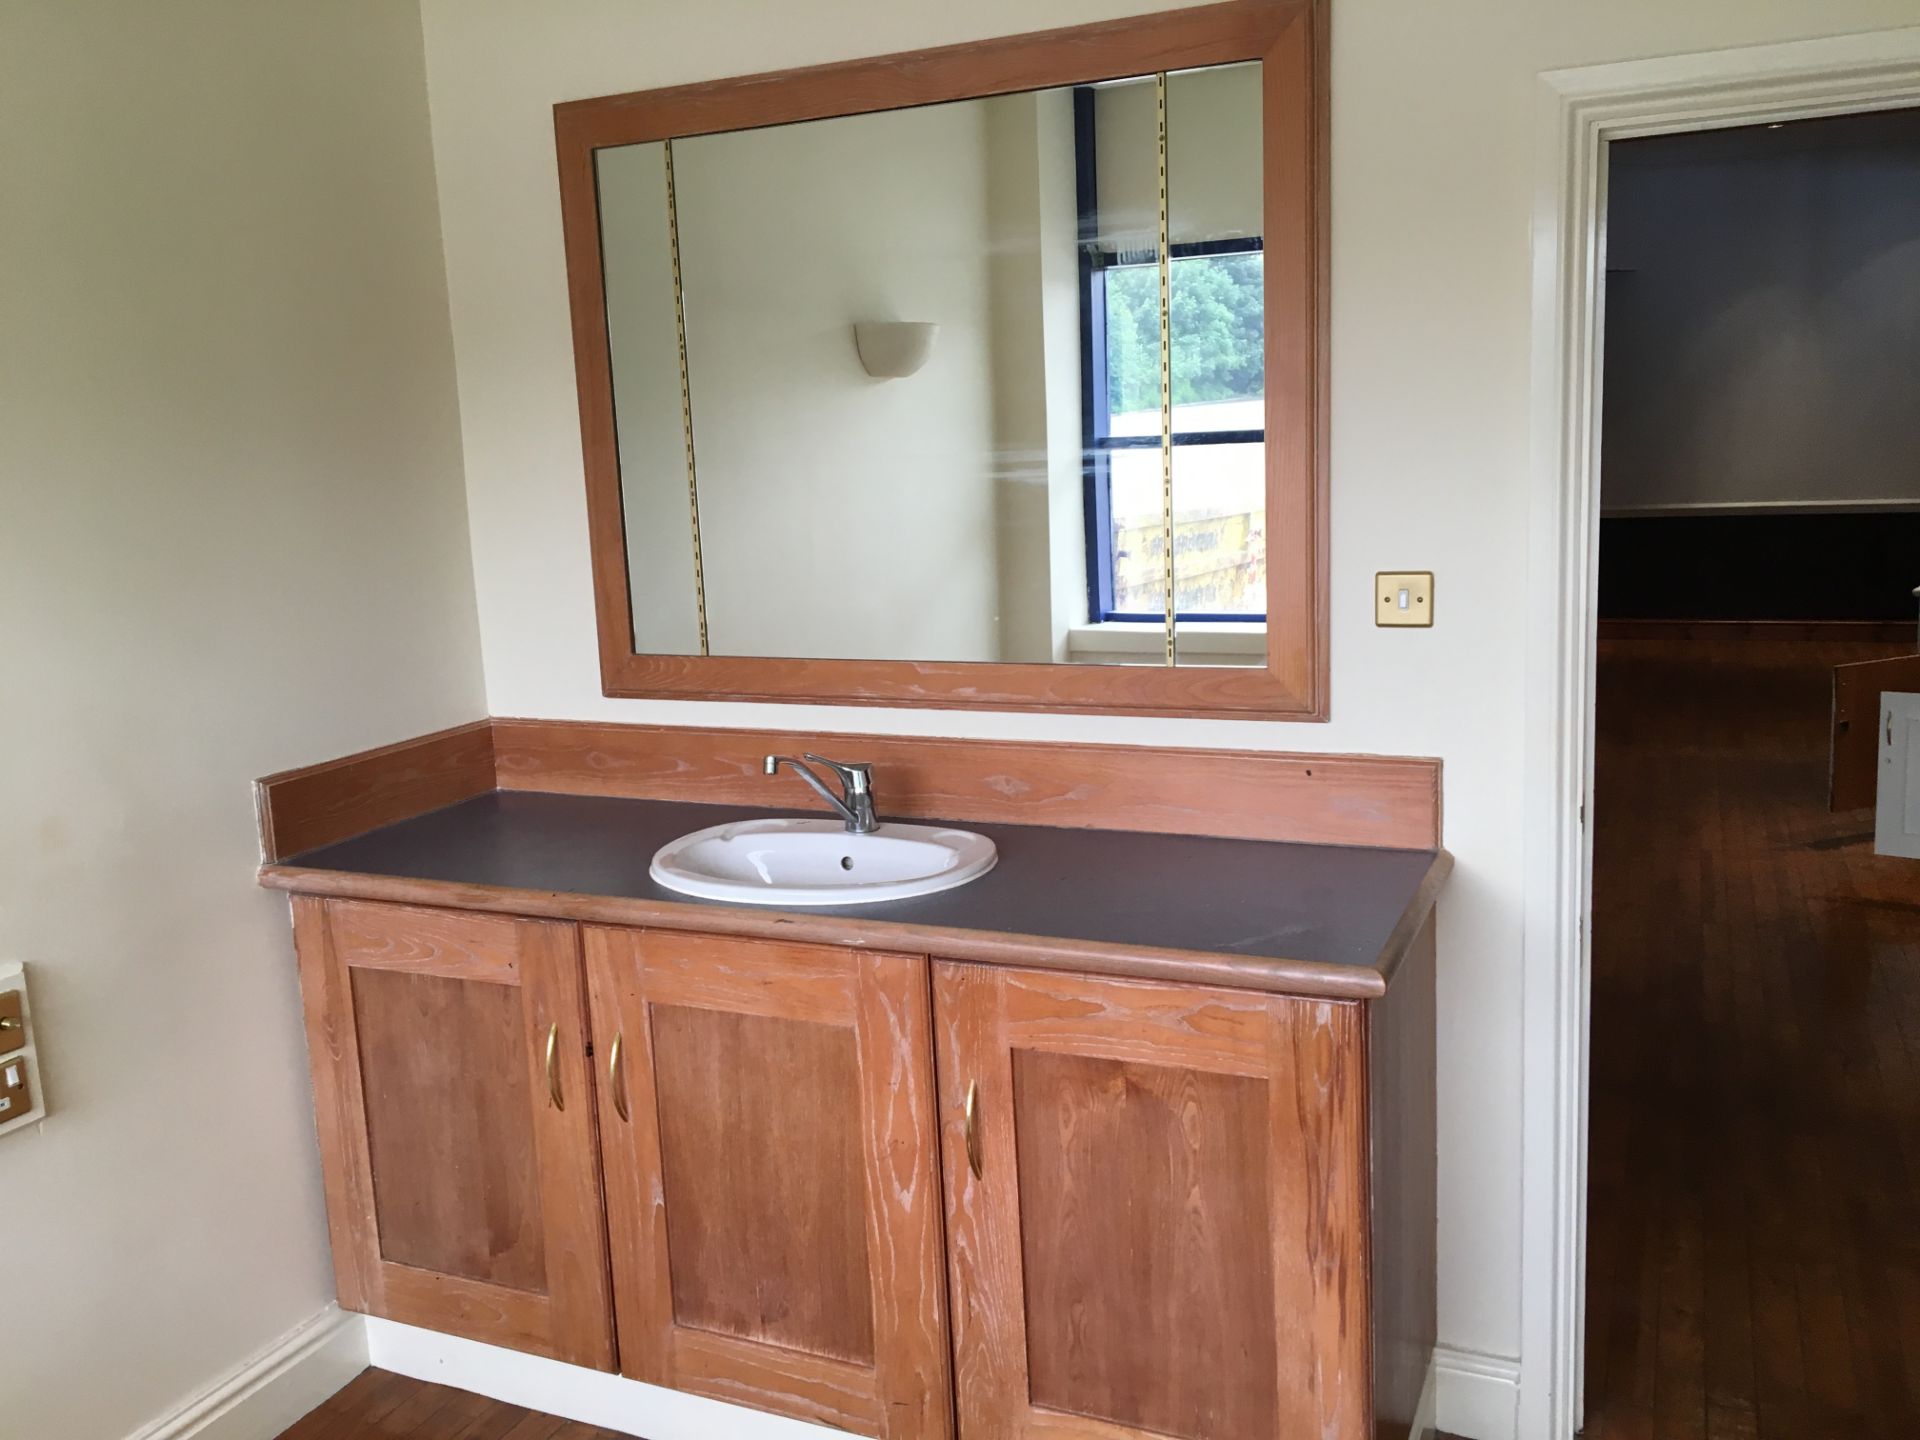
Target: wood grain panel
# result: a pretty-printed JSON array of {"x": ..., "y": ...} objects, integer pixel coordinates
[
  {"x": 1305, "y": 1138},
  {"x": 452, "y": 944},
  {"x": 449, "y": 1135},
  {"x": 1321, "y": 1206},
  {"x": 905, "y": 1235},
  {"x": 1174, "y": 40},
  {"x": 1292, "y": 684},
  {"x": 766, "y": 1212},
  {"x": 497, "y": 1314},
  {"x": 1854, "y": 769},
  {"x": 571, "y": 1206},
  {"x": 629, "y": 1108},
  {"x": 802, "y": 1142},
  {"x": 787, "y": 1382},
  {"x": 1080, "y": 1015},
  {"x": 1402, "y": 1029},
  {"x": 1243, "y": 692},
  {"x": 712, "y": 972},
  {"x": 1156, "y": 1179},
  {"x": 1252, "y": 795},
  {"x": 424, "y": 1046},
  {"x": 319, "y": 804},
  {"x": 1295, "y": 216},
  {"x": 988, "y": 1300},
  {"x": 333, "y": 1056}
]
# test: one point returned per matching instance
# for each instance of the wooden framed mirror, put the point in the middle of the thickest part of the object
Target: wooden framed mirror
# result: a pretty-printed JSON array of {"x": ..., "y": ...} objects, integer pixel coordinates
[{"x": 984, "y": 377}]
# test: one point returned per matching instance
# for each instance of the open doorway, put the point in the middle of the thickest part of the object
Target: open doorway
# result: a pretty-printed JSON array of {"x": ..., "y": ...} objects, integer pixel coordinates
[{"x": 1753, "y": 1155}]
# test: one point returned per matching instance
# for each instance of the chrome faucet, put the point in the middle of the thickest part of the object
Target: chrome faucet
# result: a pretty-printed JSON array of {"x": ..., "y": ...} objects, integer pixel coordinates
[{"x": 856, "y": 782}]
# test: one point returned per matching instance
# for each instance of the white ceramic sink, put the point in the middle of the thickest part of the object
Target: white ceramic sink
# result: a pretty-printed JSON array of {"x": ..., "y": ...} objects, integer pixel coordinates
[{"x": 819, "y": 862}]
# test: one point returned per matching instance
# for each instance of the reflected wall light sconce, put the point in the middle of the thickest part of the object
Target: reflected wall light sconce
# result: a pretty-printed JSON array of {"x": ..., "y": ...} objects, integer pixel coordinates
[{"x": 893, "y": 349}]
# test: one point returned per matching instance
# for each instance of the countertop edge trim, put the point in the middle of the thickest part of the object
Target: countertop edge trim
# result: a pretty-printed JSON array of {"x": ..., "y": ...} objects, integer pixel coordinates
[
  {"x": 1407, "y": 929},
  {"x": 1303, "y": 978}
]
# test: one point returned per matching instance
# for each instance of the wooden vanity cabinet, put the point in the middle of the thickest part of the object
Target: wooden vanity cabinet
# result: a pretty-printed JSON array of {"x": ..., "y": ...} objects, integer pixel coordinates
[
  {"x": 1157, "y": 1209},
  {"x": 772, "y": 1180},
  {"x": 456, "y": 1123},
  {"x": 913, "y": 1199}
]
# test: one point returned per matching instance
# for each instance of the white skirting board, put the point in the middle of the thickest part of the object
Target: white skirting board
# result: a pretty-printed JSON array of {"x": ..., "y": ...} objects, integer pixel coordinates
[
  {"x": 571, "y": 1392},
  {"x": 1469, "y": 1395},
  {"x": 269, "y": 1392},
  {"x": 1476, "y": 1396},
  {"x": 1424, "y": 1423}
]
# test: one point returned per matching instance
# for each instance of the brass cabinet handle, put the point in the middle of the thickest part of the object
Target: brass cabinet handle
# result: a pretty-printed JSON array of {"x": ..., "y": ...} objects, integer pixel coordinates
[
  {"x": 7, "y": 1022},
  {"x": 553, "y": 1067},
  {"x": 618, "y": 1081},
  {"x": 973, "y": 1127}
]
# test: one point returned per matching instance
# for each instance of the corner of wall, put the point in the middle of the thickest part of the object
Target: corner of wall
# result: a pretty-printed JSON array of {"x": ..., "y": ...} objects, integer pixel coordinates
[
  {"x": 270, "y": 1391},
  {"x": 1476, "y": 1397}
]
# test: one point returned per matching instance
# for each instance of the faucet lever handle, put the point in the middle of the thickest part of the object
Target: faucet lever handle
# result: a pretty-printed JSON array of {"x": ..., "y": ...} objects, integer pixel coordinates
[{"x": 857, "y": 776}]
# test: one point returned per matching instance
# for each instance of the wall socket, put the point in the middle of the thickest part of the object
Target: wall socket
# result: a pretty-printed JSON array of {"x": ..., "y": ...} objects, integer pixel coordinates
[
  {"x": 16, "y": 1088},
  {"x": 1403, "y": 597},
  {"x": 20, "y": 1092}
]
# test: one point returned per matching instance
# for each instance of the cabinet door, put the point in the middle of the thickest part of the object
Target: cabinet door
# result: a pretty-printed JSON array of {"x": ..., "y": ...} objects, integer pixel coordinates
[
  {"x": 456, "y": 1123},
  {"x": 1159, "y": 1226},
  {"x": 766, "y": 1116}
]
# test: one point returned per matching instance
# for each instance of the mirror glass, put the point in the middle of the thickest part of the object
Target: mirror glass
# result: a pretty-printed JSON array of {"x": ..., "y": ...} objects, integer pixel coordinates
[{"x": 920, "y": 415}]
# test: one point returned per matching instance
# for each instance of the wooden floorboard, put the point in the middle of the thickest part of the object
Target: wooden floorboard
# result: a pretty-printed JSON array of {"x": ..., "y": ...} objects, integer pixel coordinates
[
  {"x": 379, "y": 1405},
  {"x": 1754, "y": 1136}
]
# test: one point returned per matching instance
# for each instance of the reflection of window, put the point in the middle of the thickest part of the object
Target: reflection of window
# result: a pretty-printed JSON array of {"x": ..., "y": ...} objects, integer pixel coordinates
[{"x": 1216, "y": 314}]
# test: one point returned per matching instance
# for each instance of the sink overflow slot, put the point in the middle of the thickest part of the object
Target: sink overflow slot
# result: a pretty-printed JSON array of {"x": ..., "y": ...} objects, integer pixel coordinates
[{"x": 846, "y": 862}]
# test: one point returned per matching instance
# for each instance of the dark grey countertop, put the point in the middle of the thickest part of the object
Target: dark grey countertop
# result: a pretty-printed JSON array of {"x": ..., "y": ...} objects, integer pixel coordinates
[{"x": 1314, "y": 905}]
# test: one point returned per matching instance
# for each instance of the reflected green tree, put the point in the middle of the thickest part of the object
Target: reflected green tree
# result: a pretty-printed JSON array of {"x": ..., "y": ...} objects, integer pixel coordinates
[{"x": 1217, "y": 315}]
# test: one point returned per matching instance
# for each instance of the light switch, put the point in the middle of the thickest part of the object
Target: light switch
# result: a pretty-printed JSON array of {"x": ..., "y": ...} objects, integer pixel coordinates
[
  {"x": 20, "y": 1087},
  {"x": 1403, "y": 597},
  {"x": 16, "y": 1095}
]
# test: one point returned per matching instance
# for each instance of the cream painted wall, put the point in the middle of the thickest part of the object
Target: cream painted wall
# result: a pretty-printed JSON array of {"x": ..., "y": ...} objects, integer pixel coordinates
[
  {"x": 232, "y": 538},
  {"x": 1433, "y": 148},
  {"x": 1213, "y": 158},
  {"x": 1033, "y": 275},
  {"x": 789, "y": 235}
]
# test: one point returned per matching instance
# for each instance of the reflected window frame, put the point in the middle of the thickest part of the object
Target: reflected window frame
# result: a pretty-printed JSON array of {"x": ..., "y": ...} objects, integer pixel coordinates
[{"x": 1096, "y": 416}]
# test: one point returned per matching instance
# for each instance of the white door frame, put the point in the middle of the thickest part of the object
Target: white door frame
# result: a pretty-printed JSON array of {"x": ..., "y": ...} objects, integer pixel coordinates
[{"x": 1580, "y": 112}]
